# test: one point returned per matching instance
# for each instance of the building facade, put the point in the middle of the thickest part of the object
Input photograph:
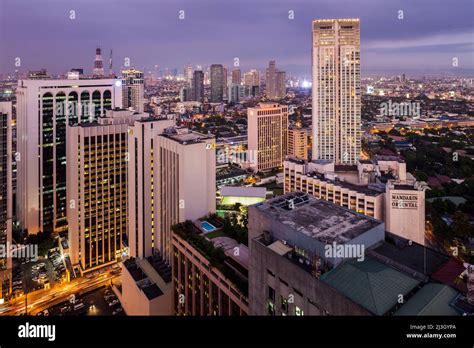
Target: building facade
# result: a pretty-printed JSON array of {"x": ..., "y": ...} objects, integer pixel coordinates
[
  {"x": 298, "y": 143},
  {"x": 178, "y": 184},
  {"x": 44, "y": 109},
  {"x": 97, "y": 189},
  {"x": 133, "y": 90},
  {"x": 217, "y": 83},
  {"x": 267, "y": 136},
  {"x": 198, "y": 86},
  {"x": 6, "y": 196},
  {"x": 336, "y": 91}
]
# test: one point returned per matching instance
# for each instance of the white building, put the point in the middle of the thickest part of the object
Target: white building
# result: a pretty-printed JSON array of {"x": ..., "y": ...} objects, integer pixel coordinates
[
  {"x": 44, "y": 108},
  {"x": 336, "y": 90},
  {"x": 133, "y": 90},
  {"x": 172, "y": 179}
]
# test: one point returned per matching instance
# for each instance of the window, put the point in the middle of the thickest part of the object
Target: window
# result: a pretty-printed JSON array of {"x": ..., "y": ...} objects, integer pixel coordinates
[
  {"x": 284, "y": 304},
  {"x": 271, "y": 293}
]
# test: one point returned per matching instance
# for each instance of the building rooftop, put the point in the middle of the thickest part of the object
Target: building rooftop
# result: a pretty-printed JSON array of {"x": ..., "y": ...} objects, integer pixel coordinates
[
  {"x": 371, "y": 284},
  {"x": 318, "y": 219},
  {"x": 185, "y": 137},
  {"x": 431, "y": 299}
]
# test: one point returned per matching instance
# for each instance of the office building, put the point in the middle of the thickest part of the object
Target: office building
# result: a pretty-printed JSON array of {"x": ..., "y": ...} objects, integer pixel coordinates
[
  {"x": 44, "y": 108},
  {"x": 298, "y": 143},
  {"x": 267, "y": 136},
  {"x": 97, "y": 189},
  {"x": 275, "y": 82},
  {"x": 132, "y": 90},
  {"x": 6, "y": 196},
  {"x": 203, "y": 287},
  {"x": 236, "y": 76},
  {"x": 336, "y": 90},
  {"x": 188, "y": 73},
  {"x": 198, "y": 86},
  {"x": 217, "y": 83},
  {"x": 172, "y": 179}
]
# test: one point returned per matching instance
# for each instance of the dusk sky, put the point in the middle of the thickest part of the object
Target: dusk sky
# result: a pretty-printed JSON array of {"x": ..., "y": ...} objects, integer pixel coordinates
[{"x": 149, "y": 32}]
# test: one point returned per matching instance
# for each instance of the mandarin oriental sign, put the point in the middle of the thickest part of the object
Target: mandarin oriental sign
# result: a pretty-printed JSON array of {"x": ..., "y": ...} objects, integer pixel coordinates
[{"x": 404, "y": 201}]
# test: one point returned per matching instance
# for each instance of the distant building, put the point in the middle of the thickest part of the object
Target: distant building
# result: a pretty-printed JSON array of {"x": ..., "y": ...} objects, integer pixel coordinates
[
  {"x": 252, "y": 83},
  {"x": 188, "y": 73},
  {"x": 6, "y": 196},
  {"x": 97, "y": 189},
  {"x": 267, "y": 136},
  {"x": 236, "y": 76},
  {"x": 275, "y": 82},
  {"x": 217, "y": 83},
  {"x": 198, "y": 86},
  {"x": 98, "y": 71},
  {"x": 133, "y": 90}
]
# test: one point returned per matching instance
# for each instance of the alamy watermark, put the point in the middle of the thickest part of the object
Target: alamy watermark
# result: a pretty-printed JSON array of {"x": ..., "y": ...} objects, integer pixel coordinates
[
  {"x": 345, "y": 251},
  {"x": 19, "y": 251},
  {"x": 400, "y": 109}
]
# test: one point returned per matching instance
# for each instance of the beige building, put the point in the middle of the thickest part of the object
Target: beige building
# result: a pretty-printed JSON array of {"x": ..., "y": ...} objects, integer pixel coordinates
[
  {"x": 336, "y": 90},
  {"x": 146, "y": 288},
  {"x": 200, "y": 288},
  {"x": 382, "y": 189},
  {"x": 97, "y": 189},
  {"x": 405, "y": 209},
  {"x": 267, "y": 136},
  {"x": 172, "y": 179},
  {"x": 311, "y": 178},
  {"x": 298, "y": 143}
]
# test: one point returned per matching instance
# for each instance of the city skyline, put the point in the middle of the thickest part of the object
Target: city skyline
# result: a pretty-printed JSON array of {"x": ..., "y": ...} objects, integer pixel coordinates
[{"x": 426, "y": 41}]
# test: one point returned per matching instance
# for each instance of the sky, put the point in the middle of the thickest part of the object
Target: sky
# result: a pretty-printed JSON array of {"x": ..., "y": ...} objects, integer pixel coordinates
[{"x": 43, "y": 34}]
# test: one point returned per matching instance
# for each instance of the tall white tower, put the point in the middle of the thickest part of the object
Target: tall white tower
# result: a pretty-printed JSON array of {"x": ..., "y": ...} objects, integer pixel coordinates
[
  {"x": 98, "y": 64},
  {"x": 336, "y": 90}
]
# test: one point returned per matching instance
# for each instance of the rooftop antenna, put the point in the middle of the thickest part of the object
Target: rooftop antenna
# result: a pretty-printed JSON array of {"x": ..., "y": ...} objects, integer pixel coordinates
[{"x": 111, "y": 72}]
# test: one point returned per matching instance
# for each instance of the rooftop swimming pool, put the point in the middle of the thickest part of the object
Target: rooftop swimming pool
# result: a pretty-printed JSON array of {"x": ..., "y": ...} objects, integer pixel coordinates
[{"x": 208, "y": 227}]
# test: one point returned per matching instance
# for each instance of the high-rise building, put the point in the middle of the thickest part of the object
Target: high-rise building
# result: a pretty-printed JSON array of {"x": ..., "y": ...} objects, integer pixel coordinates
[
  {"x": 275, "y": 82},
  {"x": 97, "y": 189},
  {"x": 236, "y": 76},
  {"x": 217, "y": 83},
  {"x": 6, "y": 197},
  {"x": 98, "y": 64},
  {"x": 188, "y": 73},
  {"x": 267, "y": 136},
  {"x": 132, "y": 90},
  {"x": 336, "y": 91},
  {"x": 198, "y": 86},
  {"x": 298, "y": 143},
  {"x": 224, "y": 83},
  {"x": 44, "y": 108},
  {"x": 252, "y": 83},
  {"x": 280, "y": 88},
  {"x": 172, "y": 179}
]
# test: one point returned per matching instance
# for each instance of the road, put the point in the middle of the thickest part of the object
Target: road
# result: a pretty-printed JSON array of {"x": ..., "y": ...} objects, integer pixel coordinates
[{"x": 43, "y": 299}]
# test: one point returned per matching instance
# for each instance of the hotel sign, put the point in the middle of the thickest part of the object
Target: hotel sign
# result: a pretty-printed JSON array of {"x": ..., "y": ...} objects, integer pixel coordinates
[{"x": 404, "y": 201}]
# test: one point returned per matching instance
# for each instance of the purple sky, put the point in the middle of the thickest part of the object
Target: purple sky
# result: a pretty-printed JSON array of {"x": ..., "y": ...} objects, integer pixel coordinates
[{"x": 149, "y": 32}]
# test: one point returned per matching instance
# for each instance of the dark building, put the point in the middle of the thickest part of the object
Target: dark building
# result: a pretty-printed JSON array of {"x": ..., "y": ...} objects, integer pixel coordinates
[
  {"x": 198, "y": 86},
  {"x": 217, "y": 83}
]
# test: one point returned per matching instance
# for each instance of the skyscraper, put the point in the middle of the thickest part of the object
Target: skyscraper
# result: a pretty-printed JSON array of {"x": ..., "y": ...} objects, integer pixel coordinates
[
  {"x": 236, "y": 76},
  {"x": 44, "y": 108},
  {"x": 97, "y": 188},
  {"x": 217, "y": 83},
  {"x": 133, "y": 90},
  {"x": 6, "y": 196},
  {"x": 172, "y": 179},
  {"x": 336, "y": 90},
  {"x": 275, "y": 82},
  {"x": 98, "y": 64},
  {"x": 188, "y": 73},
  {"x": 198, "y": 85},
  {"x": 252, "y": 82},
  {"x": 267, "y": 136}
]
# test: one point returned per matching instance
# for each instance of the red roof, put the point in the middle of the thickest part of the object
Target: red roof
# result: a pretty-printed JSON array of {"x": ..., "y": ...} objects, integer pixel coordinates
[{"x": 449, "y": 274}]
